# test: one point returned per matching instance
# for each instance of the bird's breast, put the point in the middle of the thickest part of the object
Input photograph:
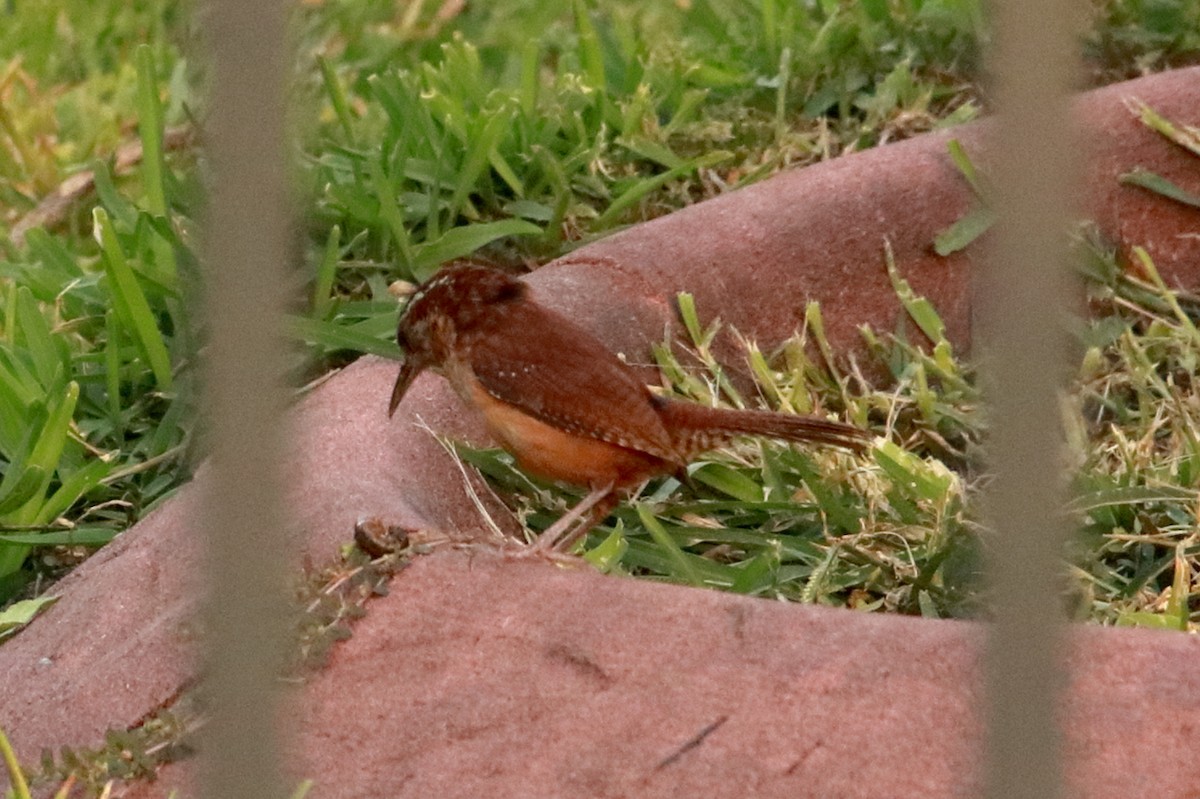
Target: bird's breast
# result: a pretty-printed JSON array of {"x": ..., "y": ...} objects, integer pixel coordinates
[{"x": 556, "y": 454}]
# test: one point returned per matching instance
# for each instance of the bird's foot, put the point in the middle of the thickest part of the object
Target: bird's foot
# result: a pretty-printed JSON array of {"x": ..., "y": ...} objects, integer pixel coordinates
[{"x": 540, "y": 549}]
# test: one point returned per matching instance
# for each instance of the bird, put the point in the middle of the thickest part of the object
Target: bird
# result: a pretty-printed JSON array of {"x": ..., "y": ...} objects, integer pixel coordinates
[{"x": 565, "y": 406}]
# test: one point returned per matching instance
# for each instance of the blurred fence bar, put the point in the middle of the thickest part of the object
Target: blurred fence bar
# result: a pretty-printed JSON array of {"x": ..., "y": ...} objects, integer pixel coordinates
[
  {"x": 1021, "y": 297},
  {"x": 245, "y": 253}
]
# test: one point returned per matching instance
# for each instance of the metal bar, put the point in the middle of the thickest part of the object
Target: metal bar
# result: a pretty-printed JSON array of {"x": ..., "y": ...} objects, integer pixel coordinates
[
  {"x": 245, "y": 251},
  {"x": 1022, "y": 297}
]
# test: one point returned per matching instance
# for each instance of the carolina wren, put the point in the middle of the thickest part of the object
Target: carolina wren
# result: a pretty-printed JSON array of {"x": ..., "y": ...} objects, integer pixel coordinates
[{"x": 565, "y": 406}]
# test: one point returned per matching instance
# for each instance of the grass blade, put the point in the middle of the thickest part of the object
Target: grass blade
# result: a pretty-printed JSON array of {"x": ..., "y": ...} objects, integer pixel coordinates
[
  {"x": 464, "y": 240},
  {"x": 49, "y": 446},
  {"x": 643, "y": 187},
  {"x": 337, "y": 97},
  {"x": 150, "y": 129},
  {"x": 1185, "y": 136},
  {"x": 75, "y": 537},
  {"x": 389, "y": 211},
  {"x": 1156, "y": 183},
  {"x": 19, "y": 786},
  {"x": 683, "y": 568},
  {"x": 965, "y": 230},
  {"x": 591, "y": 52},
  {"x": 483, "y": 143},
  {"x": 131, "y": 302},
  {"x": 335, "y": 338},
  {"x": 73, "y": 488},
  {"x": 112, "y": 365},
  {"x": 43, "y": 348},
  {"x": 20, "y": 483},
  {"x": 322, "y": 299}
]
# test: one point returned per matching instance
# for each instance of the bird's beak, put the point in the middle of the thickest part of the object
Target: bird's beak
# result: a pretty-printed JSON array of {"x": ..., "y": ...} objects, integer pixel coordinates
[{"x": 409, "y": 370}]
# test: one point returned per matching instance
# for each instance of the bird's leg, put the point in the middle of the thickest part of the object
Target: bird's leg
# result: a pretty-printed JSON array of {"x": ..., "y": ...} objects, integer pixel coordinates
[{"x": 575, "y": 523}]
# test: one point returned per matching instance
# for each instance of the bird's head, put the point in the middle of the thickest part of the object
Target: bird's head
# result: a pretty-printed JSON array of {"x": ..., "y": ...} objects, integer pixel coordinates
[{"x": 445, "y": 309}]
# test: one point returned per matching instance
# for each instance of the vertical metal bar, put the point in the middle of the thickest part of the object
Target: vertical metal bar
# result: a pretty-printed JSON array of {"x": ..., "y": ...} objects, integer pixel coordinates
[
  {"x": 245, "y": 251},
  {"x": 1022, "y": 299}
]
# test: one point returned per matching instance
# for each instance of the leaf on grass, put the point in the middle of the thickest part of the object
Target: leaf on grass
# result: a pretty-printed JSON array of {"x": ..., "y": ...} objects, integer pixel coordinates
[
  {"x": 919, "y": 308},
  {"x": 914, "y": 476},
  {"x": 1156, "y": 183},
  {"x": 1185, "y": 136},
  {"x": 150, "y": 128},
  {"x": 19, "y": 614},
  {"x": 337, "y": 97},
  {"x": 42, "y": 460},
  {"x": 607, "y": 555},
  {"x": 528, "y": 209},
  {"x": 962, "y": 161},
  {"x": 728, "y": 481},
  {"x": 591, "y": 51},
  {"x": 124, "y": 213},
  {"x": 78, "y": 537},
  {"x": 334, "y": 337},
  {"x": 969, "y": 227},
  {"x": 44, "y": 350},
  {"x": 20, "y": 483},
  {"x": 651, "y": 150},
  {"x": 131, "y": 303},
  {"x": 975, "y": 222},
  {"x": 390, "y": 211},
  {"x": 506, "y": 172},
  {"x": 683, "y": 568},
  {"x": 483, "y": 142},
  {"x": 1131, "y": 495},
  {"x": 1147, "y": 620},
  {"x": 758, "y": 573},
  {"x": 72, "y": 489},
  {"x": 686, "y": 304},
  {"x": 643, "y": 187},
  {"x": 326, "y": 273},
  {"x": 1171, "y": 297},
  {"x": 464, "y": 240}
]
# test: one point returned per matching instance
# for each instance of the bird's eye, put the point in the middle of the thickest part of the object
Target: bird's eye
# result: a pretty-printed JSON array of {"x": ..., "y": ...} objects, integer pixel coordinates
[{"x": 509, "y": 290}]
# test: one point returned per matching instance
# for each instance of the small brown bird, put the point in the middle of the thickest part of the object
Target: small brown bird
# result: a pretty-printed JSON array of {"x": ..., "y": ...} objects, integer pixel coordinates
[{"x": 565, "y": 406}]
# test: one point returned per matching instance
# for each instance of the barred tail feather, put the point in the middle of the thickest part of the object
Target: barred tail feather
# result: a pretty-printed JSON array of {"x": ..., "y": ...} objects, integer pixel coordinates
[{"x": 697, "y": 428}]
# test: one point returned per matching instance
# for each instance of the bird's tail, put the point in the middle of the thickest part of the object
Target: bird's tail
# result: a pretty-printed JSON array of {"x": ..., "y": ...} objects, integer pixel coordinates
[{"x": 698, "y": 428}]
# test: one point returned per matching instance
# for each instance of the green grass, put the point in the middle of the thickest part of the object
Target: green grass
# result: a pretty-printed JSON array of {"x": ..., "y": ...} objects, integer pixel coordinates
[
  {"x": 605, "y": 119},
  {"x": 516, "y": 131}
]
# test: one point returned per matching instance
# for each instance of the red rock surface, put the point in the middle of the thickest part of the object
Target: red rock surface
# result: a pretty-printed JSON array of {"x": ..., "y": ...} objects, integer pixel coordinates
[
  {"x": 515, "y": 679},
  {"x": 577, "y": 685}
]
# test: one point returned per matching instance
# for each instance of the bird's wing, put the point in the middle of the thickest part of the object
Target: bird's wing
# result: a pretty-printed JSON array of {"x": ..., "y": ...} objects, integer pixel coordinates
[{"x": 548, "y": 367}]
